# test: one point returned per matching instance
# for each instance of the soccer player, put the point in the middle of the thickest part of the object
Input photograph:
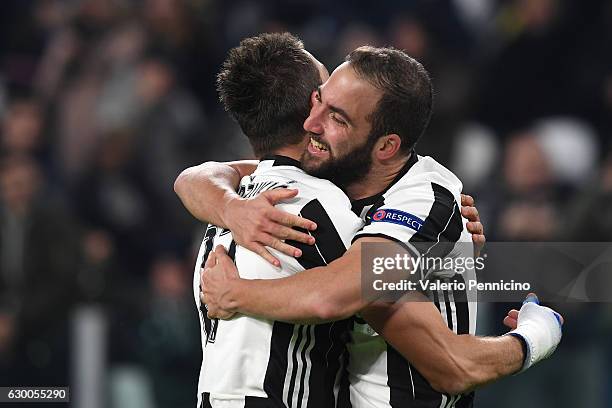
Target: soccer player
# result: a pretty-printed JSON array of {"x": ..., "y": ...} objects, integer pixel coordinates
[
  {"x": 249, "y": 362},
  {"x": 380, "y": 376},
  {"x": 258, "y": 362}
]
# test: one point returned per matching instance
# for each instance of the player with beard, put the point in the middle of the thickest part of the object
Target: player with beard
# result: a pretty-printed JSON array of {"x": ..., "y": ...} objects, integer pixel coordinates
[
  {"x": 343, "y": 122},
  {"x": 344, "y": 170}
]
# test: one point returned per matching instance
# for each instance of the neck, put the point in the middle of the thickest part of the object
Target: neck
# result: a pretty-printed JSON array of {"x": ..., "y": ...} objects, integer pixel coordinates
[
  {"x": 380, "y": 176},
  {"x": 292, "y": 151}
]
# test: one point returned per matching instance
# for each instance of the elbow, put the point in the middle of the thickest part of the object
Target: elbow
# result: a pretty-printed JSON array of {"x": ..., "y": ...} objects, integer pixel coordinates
[
  {"x": 189, "y": 175},
  {"x": 181, "y": 180},
  {"x": 450, "y": 385},
  {"x": 453, "y": 377},
  {"x": 327, "y": 301},
  {"x": 326, "y": 309},
  {"x": 326, "y": 312}
]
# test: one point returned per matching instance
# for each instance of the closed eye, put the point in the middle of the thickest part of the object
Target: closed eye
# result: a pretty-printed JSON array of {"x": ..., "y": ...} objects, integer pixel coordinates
[{"x": 337, "y": 119}]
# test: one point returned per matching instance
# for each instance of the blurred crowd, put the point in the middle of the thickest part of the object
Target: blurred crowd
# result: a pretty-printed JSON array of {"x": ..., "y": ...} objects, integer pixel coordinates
[{"x": 104, "y": 102}]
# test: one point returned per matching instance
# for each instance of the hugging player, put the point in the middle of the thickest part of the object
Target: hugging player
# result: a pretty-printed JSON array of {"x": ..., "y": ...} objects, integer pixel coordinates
[{"x": 358, "y": 131}]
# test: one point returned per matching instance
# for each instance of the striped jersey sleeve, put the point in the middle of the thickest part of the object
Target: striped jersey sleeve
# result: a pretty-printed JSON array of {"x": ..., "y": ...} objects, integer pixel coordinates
[{"x": 417, "y": 210}]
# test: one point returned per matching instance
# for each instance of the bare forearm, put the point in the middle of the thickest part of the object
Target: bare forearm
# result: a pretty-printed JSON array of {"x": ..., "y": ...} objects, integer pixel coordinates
[
  {"x": 460, "y": 362},
  {"x": 206, "y": 190},
  {"x": 313, "y": 296},
  {"x": 273, "y": 299},
  {"x": 487, "y": 359}
]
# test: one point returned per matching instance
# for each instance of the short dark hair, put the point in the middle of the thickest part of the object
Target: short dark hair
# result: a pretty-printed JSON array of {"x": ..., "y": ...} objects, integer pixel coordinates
[
  {"x": 265, "y": 84},
  {"x": 406, "y": 104}
]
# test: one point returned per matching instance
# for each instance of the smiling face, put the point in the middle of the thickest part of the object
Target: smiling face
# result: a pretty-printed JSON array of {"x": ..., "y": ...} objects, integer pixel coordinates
[{"x": 340, "y": 148}]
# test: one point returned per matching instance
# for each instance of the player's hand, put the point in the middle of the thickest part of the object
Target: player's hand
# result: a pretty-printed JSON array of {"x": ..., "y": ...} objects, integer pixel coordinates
[
  {"x": 511, "y": 319},
  {"x": 539, "y": 327},
  {"x": 255, "y": 223},
  {"x": 474, "y": 226},
  {"x": 215, "y": 280},
  {"x": 211, "y": 261}
]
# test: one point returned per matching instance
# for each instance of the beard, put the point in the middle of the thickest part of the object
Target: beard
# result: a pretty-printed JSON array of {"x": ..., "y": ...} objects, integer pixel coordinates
[{"x": 344, "y": 170}]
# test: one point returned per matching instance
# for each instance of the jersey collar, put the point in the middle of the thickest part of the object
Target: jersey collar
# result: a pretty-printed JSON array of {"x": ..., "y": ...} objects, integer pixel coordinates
[
  {"x": 278, "y": 160},
  {"x": 358, "y": 205}
]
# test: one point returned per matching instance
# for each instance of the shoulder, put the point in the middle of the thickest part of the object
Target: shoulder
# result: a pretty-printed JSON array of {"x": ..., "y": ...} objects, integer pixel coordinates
[
  {"x": 309, "y": 187},
  {"x": 426, "y": 177}
]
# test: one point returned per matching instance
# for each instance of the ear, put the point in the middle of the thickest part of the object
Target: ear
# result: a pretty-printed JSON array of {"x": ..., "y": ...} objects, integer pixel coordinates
[{"x": 387, "y": 146}]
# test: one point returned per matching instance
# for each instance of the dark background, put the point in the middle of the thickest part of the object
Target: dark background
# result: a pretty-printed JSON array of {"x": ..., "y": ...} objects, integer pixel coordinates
[{"x": 103, "y": 103}]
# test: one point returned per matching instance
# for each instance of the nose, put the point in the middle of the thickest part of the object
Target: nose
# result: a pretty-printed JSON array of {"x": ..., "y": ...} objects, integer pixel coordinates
[{"x": 313, "y": 123}]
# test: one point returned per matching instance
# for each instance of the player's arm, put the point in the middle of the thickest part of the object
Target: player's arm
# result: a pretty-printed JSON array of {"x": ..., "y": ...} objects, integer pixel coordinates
[
  {"x": 208, "y": 191},
  {"x": 451, "y": 363},
  {"x": 325, "y": 293},
  {"x": 454, "y": 363},
  {"x": 332, "y": 292},
  {"x": 415, "y": 329},
  {"x": 320, "y": 294}
]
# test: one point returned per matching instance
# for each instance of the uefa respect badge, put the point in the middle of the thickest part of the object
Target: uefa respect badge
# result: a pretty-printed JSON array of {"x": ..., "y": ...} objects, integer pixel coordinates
[{"x": 398, "y": 217}]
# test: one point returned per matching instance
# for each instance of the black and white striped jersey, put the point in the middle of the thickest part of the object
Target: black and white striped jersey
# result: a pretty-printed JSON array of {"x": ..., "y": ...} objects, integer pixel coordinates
[
  {"x": 251, "y": 362},
  {"x": 421, "y": 206}
]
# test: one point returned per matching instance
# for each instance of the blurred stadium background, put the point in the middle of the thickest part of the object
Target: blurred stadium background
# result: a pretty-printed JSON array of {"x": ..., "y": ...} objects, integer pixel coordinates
[{"x": 103, "y": 102}]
